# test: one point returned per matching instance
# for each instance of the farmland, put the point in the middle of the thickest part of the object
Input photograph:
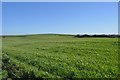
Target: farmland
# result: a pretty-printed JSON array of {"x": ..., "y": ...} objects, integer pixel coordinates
[{"x": 59, "y": 56}]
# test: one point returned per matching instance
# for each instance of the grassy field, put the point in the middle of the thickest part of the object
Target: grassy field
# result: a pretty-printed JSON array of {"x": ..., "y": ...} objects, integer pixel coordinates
[{"x": 59, "y": 56}]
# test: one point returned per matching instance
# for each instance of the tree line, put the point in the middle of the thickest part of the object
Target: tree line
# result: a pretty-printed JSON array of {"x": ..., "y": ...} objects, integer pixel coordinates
[{"x": 98, "y": 35}]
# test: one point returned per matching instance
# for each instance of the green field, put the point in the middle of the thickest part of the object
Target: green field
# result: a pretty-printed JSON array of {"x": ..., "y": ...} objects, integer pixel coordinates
[{"x": 59, "y": 56}]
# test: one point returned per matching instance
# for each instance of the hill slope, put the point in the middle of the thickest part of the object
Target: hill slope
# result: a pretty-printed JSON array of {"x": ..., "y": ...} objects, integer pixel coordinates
[{"x": 59, "y": 56}]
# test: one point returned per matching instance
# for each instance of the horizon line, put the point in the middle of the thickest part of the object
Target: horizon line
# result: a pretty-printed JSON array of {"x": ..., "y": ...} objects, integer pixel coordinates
[{"x": 63, "y": 34}]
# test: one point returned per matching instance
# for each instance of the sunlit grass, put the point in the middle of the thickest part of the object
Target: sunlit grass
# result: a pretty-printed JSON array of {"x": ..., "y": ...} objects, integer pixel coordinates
[{"x": 55, "y": 56}]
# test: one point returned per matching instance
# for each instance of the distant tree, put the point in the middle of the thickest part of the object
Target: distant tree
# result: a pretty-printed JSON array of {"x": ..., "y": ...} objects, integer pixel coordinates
[
  {"x": 3, "y": 36},
  {"x": 77, "y": 35},
  {"x": 85, "y": 35},
  {"x": 100, "y": 35}
]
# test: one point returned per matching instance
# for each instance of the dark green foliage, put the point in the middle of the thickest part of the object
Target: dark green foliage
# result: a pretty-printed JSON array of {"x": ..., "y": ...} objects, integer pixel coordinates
[{"x": 97, "y": 36}]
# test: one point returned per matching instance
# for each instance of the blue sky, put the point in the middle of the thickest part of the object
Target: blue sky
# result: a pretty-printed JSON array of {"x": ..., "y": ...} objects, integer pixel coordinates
[
  {"x": 60, "y": 0},
  {"x": 59, "y": 17}
]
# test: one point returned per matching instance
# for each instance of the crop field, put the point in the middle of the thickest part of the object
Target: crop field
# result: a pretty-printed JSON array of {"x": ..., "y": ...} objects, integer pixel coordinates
[{"x": 59, "y": 56}]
